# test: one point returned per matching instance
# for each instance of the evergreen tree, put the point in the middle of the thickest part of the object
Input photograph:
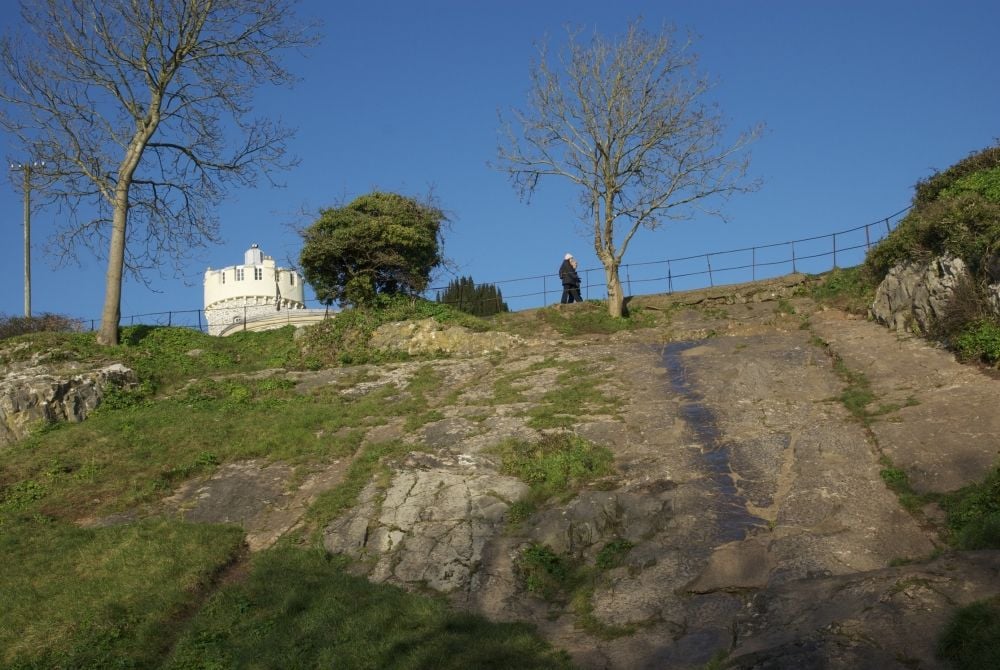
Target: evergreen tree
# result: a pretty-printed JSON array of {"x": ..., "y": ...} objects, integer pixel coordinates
[{"x": 481, "y": 300}]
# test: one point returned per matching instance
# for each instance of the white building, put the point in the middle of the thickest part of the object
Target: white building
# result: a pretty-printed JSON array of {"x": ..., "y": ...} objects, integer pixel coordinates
[{"x": 255, "y": 290}]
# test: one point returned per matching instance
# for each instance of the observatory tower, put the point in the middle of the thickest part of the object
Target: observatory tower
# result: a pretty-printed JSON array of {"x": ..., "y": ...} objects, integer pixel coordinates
[{"x": 254, "y": 290}]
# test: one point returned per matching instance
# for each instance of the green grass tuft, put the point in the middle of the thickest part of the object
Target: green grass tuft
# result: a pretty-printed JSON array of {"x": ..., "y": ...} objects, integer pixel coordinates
[
  {"x": 971, "y": 640},
  {"x": 974, "y": 514},
  {"x": 556, "y": 466}
]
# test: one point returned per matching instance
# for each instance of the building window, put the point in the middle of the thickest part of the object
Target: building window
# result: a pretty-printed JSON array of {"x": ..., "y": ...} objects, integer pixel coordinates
[
  {"x": 291, "y": 277},
  {"x": 258, "y": 273},
  {"x": 222, "y": 277},
  {"x": 239, "y": 274}
]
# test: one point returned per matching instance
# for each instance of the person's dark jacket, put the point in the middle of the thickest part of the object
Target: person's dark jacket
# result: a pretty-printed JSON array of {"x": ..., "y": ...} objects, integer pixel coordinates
[{"x": 568, "y": 275}]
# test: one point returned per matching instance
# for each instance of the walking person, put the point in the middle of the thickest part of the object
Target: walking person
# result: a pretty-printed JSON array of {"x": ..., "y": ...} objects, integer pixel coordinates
[{"x": 570, "y": 280}]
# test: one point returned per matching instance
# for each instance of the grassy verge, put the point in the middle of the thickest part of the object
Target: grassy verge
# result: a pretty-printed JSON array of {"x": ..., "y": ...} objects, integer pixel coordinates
[
  {"x": 103, "y": 598},
  {"x": 299, "y": 609}
]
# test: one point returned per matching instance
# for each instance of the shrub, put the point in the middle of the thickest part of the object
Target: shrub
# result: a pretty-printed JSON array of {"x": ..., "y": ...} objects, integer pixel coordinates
[
  {"x": 12, "y": 326},
  {"x": 955, "y": 211},
  {"x": 980, "y": 341}
]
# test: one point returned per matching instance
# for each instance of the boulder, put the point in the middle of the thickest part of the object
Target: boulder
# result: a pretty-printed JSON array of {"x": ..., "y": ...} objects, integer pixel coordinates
[
  {"x": 916, "y": 293},
  {"x": 33, "y": 395}
]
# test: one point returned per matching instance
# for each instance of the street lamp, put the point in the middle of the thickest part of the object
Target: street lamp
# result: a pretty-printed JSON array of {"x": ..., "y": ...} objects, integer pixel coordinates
[{"x": 26, "y": 169}]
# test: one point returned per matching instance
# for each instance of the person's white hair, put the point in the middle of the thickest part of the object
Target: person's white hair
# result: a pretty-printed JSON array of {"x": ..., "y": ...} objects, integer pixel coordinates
[{"x": 567, "y": 257}]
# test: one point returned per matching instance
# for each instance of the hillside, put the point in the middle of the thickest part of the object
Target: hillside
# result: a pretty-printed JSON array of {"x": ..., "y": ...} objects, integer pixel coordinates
[{"x": 740, "y": 477}]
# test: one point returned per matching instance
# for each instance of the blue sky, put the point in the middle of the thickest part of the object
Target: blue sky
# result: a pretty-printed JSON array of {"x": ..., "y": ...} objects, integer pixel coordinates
[{"x": 860, "y": 99}]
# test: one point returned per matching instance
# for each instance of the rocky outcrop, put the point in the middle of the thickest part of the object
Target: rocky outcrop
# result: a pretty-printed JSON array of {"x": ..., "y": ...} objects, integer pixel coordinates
[
  {"x": 916, "y": 293},
  {"x": 430, "y": 337},
  {"x": 431, "y": 525},
  {"x": 40, "y": 394}
]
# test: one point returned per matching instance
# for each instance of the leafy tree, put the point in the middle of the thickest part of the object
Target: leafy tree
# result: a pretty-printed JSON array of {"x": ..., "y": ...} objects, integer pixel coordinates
[
  {"x": 481, "y": 300},
  {"x": 627, "y": 121},
  {"x": 381, "y": 243},
  {"x": 141, "y": 113}
]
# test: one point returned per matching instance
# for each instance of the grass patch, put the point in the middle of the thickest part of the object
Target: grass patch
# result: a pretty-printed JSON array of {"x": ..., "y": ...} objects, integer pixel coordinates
[
  {"x": 979, "y": 341},
  {"x": 160, "y": 356},
  {"x": 122, "y": 458},
  {"x": 586, "y": 318},
  {"x": 561, "y": 579},
  {"x": 971, "y": 640},
  {"x": 576, "y": 393},
  {"x": 850, "y": 289},
  {"x": 557, "y": 466},
  {"x": 974, "y": 514},
  {"x": 858, "y": 394},
  {"x": 897, "y": 481},
  {"x": 300, "y": 609},
  {"x": 103, "y": 598}
]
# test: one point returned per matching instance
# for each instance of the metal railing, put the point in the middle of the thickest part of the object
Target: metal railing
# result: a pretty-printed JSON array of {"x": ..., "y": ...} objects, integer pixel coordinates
[{"x": 812, "y": 255}]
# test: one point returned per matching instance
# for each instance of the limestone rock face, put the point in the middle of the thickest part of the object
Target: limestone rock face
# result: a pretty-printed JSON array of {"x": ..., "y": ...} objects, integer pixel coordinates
[
  {"x": 429, "y": 337},
  {"x": 432, "y": 524},
  {"x": 33, "y": 394},
  {"x": 916, "y": 293}
]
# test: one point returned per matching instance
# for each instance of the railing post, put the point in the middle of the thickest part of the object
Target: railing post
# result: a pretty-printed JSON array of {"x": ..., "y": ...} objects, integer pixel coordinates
[
  {"x": 887, "y": 228},
  {"x": 628, "y": 279},
  {"x": 670, "y": 279},
  {"x": 793, "y": 257},
  {"x": 753, "y": 264},
  {"x": 170, "y": 319},
  {"x": 708, "y": 260},
  {"x": 586, "y": 288},
  {"x": 199, "y": 320},
  {"x": 834, "y": 251},
  {"x": 868, "y": 238}
]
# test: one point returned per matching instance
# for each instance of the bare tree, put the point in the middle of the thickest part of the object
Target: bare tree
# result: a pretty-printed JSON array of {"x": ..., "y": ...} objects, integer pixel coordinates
[
  {"x": 142, "y": 112},
  {"x": 628, "y": 122}
]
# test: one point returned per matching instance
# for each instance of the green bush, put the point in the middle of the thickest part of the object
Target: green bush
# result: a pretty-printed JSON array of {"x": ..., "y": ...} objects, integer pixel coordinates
[{"x": 980, "y": 341}]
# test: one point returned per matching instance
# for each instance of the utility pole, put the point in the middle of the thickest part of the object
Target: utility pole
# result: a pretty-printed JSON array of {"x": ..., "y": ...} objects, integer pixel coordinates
[{"x": 26, "y": 169}]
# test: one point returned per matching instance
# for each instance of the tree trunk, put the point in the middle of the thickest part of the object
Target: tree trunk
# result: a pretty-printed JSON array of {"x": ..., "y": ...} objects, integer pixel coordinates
[
  {"x": 616, "y": 298},
  {"x": 108, "y": 334}
]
